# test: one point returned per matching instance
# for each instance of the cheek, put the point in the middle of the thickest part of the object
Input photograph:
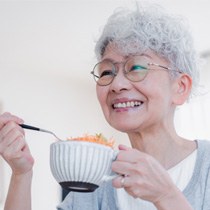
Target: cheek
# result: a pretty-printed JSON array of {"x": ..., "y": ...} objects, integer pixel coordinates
[
  {"x": 101, "y": 95},
  {"x": 160, "y": 90}
]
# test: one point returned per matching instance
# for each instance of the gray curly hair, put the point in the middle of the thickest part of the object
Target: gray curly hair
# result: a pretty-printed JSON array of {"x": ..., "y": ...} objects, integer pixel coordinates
[{"x": 152, "y": 28}]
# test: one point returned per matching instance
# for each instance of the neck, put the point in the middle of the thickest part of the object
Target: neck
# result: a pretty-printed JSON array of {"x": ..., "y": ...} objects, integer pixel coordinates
[{"x": 166, "y": 147}]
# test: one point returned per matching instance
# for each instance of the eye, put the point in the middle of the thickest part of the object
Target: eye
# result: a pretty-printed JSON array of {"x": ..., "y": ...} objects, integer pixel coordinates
[
  {"x": 106, "y": 73},
  {"x": 137, "y": 67}
]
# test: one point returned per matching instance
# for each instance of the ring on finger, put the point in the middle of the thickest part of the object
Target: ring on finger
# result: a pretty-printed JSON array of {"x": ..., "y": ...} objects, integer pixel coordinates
[{"x": 122, "y": 182}]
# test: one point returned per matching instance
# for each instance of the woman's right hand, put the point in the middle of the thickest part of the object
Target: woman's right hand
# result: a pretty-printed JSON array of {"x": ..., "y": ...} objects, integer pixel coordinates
[{"x": 13, "y": 147}]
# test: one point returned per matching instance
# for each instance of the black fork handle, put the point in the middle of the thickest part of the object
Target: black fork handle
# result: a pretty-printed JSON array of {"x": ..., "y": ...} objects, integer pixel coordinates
[{"x": 29, "y": 127}]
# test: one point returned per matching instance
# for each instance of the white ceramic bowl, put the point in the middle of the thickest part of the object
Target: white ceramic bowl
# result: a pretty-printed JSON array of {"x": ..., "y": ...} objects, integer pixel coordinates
[{"x": 81, "y": 166}]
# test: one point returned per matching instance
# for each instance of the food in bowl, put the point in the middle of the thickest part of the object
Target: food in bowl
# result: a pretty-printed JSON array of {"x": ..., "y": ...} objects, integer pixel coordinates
[{"x": 97, "y": 138}]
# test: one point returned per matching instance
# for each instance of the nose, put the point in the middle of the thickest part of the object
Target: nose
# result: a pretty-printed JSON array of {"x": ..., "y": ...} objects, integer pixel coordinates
[{"x": 120, "y": 83}]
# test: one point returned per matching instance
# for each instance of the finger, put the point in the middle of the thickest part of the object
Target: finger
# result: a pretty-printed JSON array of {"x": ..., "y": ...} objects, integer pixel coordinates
[
  {"x": 15, "y": 149},
  {"x": 120, "y": 182},
  {"x": 13, "y": 136},
  {"x": 126, "y": 155},
  {"x": 10, "y": 132},
  {"x": 6, "y": 117},
  {"x": 121, "y": 167},
  {"x": 124, "y": 147},
  {"x": 8, "y": 142},
  {"x": 10, "y": 126}
]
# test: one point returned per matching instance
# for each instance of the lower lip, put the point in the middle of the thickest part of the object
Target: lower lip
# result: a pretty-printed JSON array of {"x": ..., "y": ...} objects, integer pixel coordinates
[{"x": 126, "y": 109}]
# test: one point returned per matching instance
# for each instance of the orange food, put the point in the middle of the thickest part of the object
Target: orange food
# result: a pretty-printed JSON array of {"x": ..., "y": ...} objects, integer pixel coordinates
[{"x": 98, "y": 138}]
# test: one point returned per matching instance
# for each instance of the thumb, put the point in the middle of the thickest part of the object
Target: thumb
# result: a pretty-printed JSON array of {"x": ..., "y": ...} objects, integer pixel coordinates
[
  {"x": 7, "y": 117},
  {"x": 123, "y": 147}
]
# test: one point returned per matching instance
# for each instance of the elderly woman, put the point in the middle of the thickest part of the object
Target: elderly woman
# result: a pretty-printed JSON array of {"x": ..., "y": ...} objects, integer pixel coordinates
[{"x": 146, "y": 67}]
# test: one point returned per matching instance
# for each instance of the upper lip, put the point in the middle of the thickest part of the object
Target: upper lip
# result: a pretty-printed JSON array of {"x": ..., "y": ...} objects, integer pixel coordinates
[{"x": 123, "y": 100}]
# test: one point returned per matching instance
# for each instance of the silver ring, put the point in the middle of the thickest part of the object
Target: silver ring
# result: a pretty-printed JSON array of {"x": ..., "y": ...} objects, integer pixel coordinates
[{"x": 122, "y": 182}]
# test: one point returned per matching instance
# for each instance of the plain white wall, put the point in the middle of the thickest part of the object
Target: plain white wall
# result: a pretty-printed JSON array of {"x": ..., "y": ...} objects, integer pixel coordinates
[{"x": 46, "y": 54}]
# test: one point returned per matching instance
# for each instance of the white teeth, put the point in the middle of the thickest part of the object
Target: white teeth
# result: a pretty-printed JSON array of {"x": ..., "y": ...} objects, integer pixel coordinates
[{"x": 127, "y": 104}]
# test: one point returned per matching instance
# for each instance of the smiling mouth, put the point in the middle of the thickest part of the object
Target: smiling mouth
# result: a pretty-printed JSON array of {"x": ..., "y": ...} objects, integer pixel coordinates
[{"x": 129, "y": 104}]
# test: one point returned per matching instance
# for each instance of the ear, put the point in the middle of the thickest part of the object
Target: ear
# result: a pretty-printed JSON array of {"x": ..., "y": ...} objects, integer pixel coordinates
[{"x": 182, "y": 89}]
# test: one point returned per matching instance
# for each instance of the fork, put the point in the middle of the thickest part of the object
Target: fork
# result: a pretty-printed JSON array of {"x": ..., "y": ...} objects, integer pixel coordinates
[{"x": 39, "y": 129}]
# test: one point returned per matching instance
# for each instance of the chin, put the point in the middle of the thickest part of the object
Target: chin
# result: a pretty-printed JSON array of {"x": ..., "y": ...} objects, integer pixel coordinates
[{"x": 125, "y": 128}]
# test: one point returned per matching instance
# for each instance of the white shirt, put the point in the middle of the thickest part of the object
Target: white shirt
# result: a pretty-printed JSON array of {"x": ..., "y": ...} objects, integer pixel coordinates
[{"x": 180, "y": 174}]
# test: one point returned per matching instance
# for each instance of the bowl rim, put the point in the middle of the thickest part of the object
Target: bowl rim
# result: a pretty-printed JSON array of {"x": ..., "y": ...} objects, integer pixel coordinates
[{"x": 79, "y": 143}]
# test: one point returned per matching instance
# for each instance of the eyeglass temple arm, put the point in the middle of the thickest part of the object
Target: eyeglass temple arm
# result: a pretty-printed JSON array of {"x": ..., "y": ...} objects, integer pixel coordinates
[
  {"x": 94, "y": 74},
  {"x": 164, "y": 67}
]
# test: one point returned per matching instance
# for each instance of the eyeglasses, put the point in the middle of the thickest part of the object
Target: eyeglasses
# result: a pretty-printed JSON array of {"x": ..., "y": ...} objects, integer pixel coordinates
[{"x": 136, "y": 69}]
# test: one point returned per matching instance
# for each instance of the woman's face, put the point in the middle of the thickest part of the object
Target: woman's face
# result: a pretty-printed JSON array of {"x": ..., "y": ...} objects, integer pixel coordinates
[{"x": 135, "y": 106}]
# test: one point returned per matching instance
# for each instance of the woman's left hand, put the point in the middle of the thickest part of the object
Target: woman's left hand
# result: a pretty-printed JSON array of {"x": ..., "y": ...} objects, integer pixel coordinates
[{"x": 142, "y": 176}]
